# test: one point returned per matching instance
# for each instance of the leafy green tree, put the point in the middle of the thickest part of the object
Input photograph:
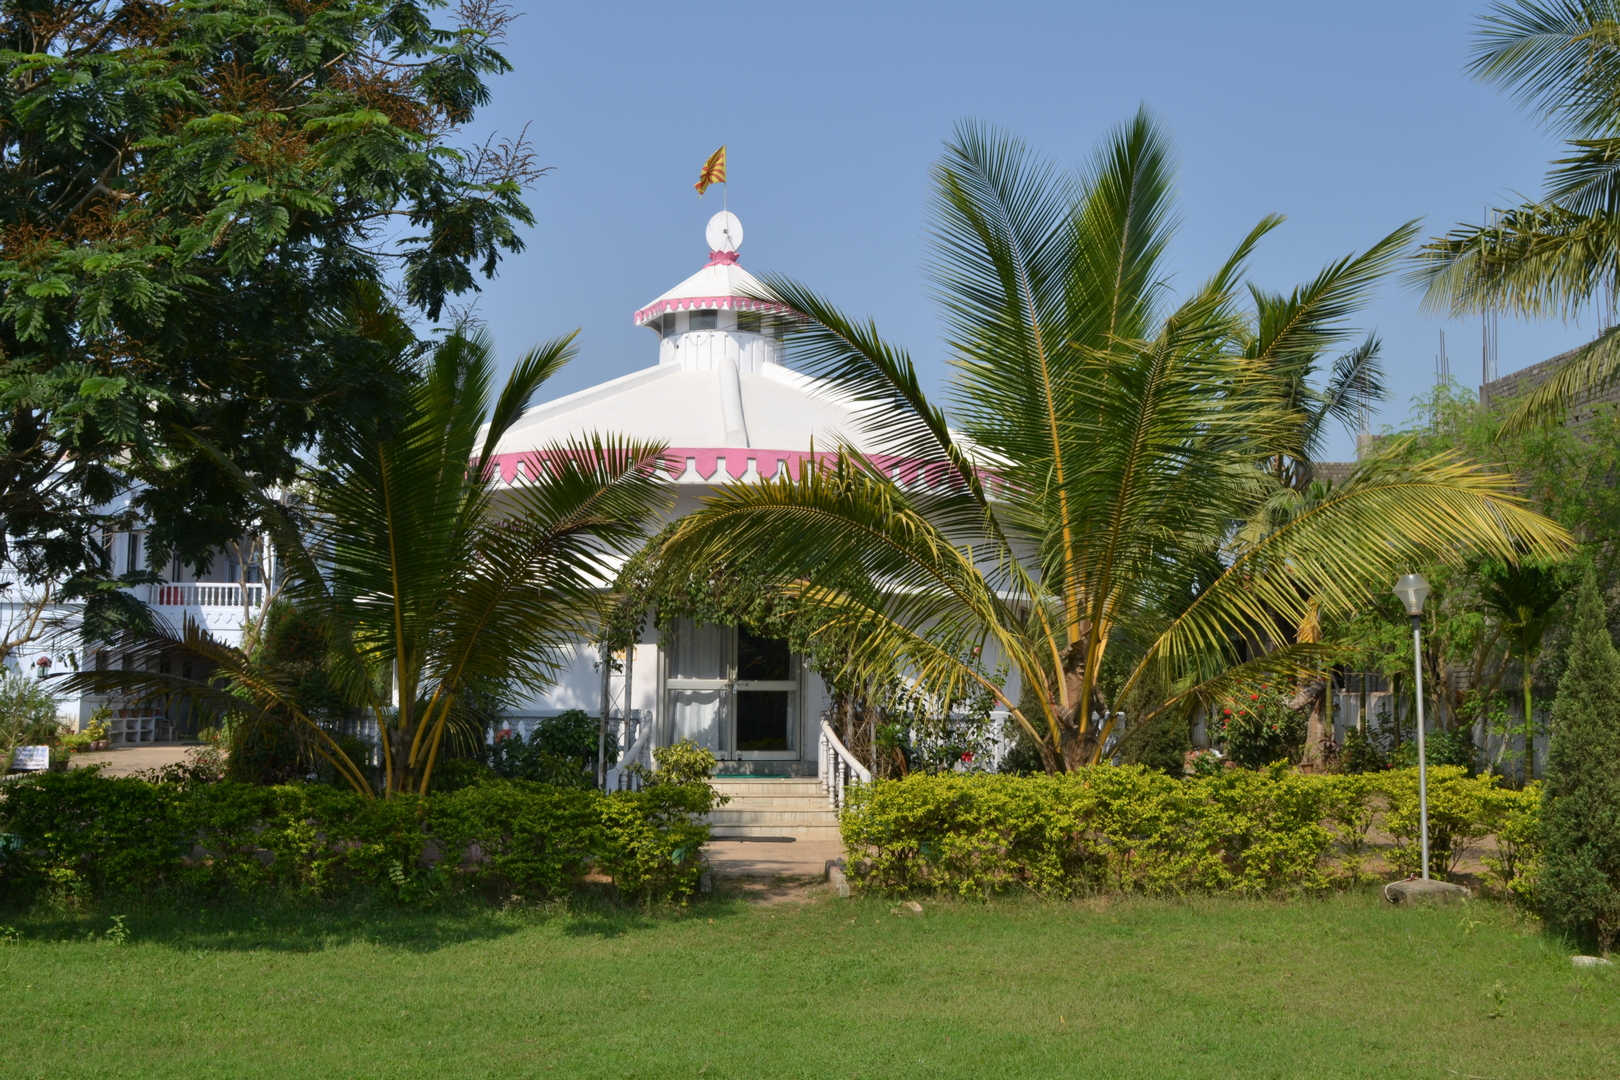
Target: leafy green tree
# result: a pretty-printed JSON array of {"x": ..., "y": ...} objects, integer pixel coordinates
[
  {"x": 1580, "y": 878},
  {"x": 290, "y": 644},
  {"x": 434, "y": 588},
  {"x": 1561, "y": 252},
  {"x": 1110, "y": 458},
  {"x": 1489, "y": 616},
  {"x": 201, "y": 203}
]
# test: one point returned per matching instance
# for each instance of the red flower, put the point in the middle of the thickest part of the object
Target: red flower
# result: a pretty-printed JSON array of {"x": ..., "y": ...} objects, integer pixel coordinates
[
  {"x": 503, "y": 734},
  {"x": 967, "y": 755},
  {"x": 1226, "y": 712}
]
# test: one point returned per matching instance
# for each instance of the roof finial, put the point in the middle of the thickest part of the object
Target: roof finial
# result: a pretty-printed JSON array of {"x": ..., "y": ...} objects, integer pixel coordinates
[{"x": 725, "y": 235}]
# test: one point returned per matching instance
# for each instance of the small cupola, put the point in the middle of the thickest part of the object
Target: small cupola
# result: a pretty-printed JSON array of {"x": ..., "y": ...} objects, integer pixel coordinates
[{"x": 713, "y": 320}]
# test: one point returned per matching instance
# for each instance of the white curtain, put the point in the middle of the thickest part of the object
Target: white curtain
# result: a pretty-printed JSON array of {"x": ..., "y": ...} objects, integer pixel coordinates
[
  {"x": 700, "y": 652},
  {"x": 696, "y": 716}
]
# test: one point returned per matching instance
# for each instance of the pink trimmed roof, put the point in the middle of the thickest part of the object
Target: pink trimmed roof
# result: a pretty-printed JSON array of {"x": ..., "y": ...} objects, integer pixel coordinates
[
  {"x": 721, "y": 285},
  {"x": 705, "y": 303},
  {"x": 721, "y": 464}
]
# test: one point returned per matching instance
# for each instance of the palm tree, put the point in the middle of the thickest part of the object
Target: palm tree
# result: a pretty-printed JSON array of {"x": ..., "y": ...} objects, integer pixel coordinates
[
  {"x": 1354, "y": 386},
  {"x": 1560, "y": 253},
  {"x": 1524, "y": 598},
  {"x": 1084, "y": 523},
  {"x": 429, "y": 586}
]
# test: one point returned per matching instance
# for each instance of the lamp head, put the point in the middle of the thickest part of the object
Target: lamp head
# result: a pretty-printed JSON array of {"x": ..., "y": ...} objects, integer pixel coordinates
[{"x": 1413, "y": 590}]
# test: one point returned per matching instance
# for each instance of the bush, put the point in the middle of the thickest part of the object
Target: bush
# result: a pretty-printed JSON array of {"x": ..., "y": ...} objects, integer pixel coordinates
[
  {"x": 1362, "y": 754},
  {"x": 1258, "y": 728},
  {"x": 27, "y": 715},
  {"x": 79, "y": 836},
  {"x": 654, "y": 839},
  {"x": 1462, "y": 812},
  {"x": 1132, "y": 830},
  {"x": 1515, "y": 818},
  {"x": 1579, "y": 883},
  {"x": 1125, "y": 829},
  {"x": 266, "y": 751},
  {"x": 683, "y": 762},
  {"x": 1440, "y": 748},
  {"x": 560, "y": 750}
]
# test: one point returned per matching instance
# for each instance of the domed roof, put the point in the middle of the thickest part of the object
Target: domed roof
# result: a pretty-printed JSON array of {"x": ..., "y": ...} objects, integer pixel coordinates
[{"x": 725, "y": 415}]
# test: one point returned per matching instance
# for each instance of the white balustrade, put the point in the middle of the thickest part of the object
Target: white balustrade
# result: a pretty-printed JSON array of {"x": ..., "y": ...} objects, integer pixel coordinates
[
  {"x": 839, "y": 768},
  {"x": 206, "y": 594}
]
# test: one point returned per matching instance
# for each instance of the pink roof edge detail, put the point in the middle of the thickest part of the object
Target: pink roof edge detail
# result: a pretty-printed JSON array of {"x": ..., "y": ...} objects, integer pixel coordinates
[
  {"x": 705, "y": 303},
  {"x": 768, "y": 464}
]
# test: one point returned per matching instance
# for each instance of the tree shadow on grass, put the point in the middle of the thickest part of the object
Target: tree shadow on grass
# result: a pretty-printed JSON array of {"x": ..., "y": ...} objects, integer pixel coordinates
[{"x": 307, "y": 927}]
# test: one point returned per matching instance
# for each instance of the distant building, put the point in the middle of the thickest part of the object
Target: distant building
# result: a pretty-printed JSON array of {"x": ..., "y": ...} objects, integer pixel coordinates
[
  {"x": 46, "y": 638},
  {"x": 1515, "y": 383}
]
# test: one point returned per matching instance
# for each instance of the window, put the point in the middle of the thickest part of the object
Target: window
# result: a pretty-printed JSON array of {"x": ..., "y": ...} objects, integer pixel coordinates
[
  {"x": 704, "y": 320},
  {"x": 749, "y": 322},
  {"x": 666, "y": 325},
  {"x": 132, "y": 552}
]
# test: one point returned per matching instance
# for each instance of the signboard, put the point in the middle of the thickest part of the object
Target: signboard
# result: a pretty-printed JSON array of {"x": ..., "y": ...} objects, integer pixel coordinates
[{"x": 31, "y": 758}]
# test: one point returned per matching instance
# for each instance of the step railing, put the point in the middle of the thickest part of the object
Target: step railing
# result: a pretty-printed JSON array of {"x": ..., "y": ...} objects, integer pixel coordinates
[
  {"x": 839, "y": 768},
  {"x": 640, "y": 753}
]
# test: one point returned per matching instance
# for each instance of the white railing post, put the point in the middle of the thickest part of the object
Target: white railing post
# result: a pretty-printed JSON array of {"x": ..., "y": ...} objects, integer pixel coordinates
[{"x": 839, "y": 768}]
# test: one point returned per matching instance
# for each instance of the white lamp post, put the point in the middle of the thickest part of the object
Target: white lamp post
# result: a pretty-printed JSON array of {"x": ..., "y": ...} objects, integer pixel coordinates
[{"x": 1413, "y": 591}]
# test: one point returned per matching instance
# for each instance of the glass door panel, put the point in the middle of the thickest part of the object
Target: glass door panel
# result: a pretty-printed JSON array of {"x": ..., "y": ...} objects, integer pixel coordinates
[
  {"x": 732, "y": 692},
  {"x": 699, "y": 685},
  {"x": 764, "y": 721},
  {"x": 766, "y": 696}
]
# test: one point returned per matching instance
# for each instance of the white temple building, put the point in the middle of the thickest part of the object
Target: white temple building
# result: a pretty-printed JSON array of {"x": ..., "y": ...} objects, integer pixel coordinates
[{"x": 719, "y": 396}]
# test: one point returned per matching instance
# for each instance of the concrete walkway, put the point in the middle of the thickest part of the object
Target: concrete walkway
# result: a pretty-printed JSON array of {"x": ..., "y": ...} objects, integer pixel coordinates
[
  {"x": 129, "y": 760},
  {"x": 770, "y": 858}
]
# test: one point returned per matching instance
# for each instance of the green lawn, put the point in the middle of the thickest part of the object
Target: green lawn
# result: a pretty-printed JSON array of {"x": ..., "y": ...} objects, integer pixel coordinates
[{"x": 1342, "y": 987}]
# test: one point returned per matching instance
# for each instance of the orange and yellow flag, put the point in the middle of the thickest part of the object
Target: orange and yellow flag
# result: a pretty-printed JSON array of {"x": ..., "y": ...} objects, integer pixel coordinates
[{"x": 713, "y": 171}]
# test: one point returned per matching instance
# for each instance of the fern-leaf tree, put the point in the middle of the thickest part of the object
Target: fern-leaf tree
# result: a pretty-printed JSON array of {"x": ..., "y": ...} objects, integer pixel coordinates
[
  {"x": 430, "y": 586},
  {"x": 1080, "y": 508},
  {"x": 1560, "y": 253}
]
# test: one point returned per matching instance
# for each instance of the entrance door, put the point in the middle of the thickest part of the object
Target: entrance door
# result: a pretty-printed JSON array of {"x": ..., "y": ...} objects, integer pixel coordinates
[{"x": 733, "y": 692}]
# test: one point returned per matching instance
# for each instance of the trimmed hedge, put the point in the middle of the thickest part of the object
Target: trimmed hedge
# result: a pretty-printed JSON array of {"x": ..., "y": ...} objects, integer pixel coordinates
[
  {"x": 1132, "y": 830},
  {"x": 78, "y": 835}
]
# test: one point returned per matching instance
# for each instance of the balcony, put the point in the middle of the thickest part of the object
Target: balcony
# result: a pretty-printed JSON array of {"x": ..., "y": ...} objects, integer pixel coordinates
[{"x": 222, "y": 594}]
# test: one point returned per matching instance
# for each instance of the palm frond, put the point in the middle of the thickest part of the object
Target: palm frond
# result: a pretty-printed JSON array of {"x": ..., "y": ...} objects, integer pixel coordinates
[{"x": 1560, "y": 58}]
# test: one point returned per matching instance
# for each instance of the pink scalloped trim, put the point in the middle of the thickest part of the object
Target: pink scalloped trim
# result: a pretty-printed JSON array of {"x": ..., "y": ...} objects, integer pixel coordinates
[
  {"x": 708, "y": 462},
  {"x": 706, "y": 303}
]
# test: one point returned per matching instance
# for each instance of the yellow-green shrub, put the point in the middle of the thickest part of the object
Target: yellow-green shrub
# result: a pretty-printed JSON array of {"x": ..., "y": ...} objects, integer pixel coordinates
[
  {"x": 1130, "y": 830},
  {"x": 92, "y": 837},
  {"x": 1459, "y": 816},
  {"x": 1105, "y": 828}
]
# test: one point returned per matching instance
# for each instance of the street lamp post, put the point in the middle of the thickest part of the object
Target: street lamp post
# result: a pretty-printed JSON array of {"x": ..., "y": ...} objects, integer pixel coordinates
[{"x": 1413, "y": 591}]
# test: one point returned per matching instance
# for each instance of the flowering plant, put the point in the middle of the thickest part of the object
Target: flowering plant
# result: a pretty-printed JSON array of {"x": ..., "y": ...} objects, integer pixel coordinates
[{"x": 1258, "y": 727}]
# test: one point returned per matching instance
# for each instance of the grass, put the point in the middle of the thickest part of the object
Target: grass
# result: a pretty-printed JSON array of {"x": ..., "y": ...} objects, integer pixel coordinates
[{"x": 1343, "y": 987}]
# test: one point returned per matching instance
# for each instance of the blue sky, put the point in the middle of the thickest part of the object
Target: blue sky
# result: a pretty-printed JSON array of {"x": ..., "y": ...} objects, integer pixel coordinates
[{"x": 1348, "y": 119}]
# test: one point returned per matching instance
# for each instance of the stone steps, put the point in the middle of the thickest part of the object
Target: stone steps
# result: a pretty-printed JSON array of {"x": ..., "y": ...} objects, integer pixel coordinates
[{"x": 795, "y": 809}]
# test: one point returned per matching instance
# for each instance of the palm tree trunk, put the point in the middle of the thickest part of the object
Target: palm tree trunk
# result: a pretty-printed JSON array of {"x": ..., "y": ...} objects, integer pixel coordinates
[
  {"x": 403, "y": 778},
  {"x": 1526, "y": 684},
  {"x": 1317, "y": 728}
]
